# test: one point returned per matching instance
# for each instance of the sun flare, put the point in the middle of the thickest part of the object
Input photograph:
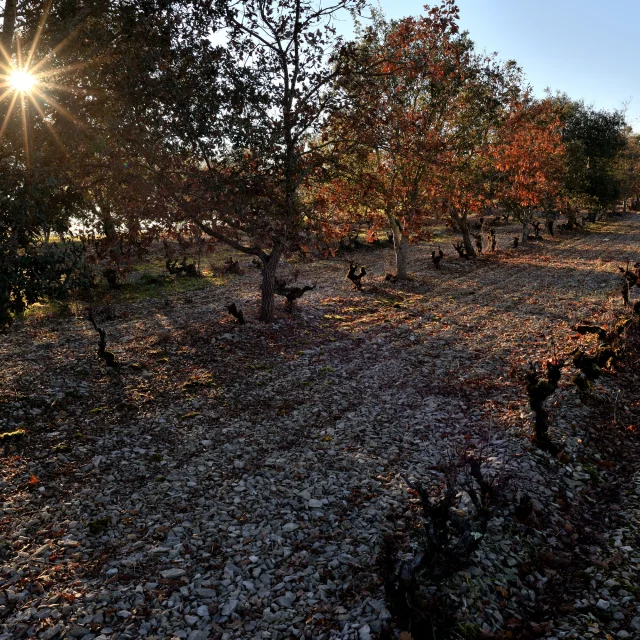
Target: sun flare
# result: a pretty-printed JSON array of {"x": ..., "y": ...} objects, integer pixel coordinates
[
  {"x": 28, "y": 82},
  {"x": 22, "y": 81}
]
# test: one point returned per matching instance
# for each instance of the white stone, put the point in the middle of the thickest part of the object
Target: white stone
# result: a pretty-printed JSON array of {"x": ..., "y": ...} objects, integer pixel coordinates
[{"x": 172, "y": 573}]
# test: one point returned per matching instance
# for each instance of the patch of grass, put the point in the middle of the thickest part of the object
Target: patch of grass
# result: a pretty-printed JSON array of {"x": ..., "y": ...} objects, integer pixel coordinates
[
  {"x": 156, "y": 457},
  {"x": 151, "y": 279},
  {"x": 151, "y": 264},
  {"x": 191, "y": 414},
  {"x": 151, "y": 285},
  {"x": 98, "y": 410},
  {"x": 593, "y": 473},
  {"x": 62, "y": 447},
  {"x": 468, "y": 631},
  {"x": 47, "y": 309}
]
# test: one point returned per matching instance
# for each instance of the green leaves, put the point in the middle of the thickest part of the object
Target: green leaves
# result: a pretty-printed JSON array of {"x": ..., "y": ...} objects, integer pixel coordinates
[{"x": 594, "y": 140}]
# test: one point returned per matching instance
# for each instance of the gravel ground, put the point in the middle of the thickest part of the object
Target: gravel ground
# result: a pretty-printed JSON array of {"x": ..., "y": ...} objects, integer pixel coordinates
[{"x": 237, "y": 481}]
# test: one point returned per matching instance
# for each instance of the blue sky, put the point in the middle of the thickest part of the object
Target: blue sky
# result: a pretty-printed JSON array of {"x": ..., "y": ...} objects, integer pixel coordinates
[{"x": 587, "y": 49}]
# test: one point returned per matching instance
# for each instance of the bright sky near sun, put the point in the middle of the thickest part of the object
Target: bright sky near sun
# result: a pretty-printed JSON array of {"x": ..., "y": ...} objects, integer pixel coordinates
[{"x": 586, "y": 48}]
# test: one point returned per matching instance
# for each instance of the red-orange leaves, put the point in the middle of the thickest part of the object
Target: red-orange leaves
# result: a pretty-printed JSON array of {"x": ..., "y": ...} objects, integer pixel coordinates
[
  {"x": 528, "y": 154},
  {"x": 393, "y": 131}
]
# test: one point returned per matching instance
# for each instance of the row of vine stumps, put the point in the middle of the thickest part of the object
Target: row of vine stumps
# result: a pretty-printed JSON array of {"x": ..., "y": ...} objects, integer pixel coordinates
[{"x": 445, "y": 538}]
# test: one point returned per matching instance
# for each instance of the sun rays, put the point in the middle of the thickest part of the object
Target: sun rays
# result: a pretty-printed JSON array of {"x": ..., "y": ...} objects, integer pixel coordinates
[{"x": 27, "y": 81}]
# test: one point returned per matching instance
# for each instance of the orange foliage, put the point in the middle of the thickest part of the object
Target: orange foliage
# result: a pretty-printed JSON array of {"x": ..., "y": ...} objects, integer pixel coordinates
[
  {"x": 403, "y": 83},
  {"x": 529, "y": 154}
]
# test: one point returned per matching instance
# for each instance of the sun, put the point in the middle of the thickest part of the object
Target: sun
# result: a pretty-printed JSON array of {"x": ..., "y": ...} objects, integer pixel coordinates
[
  {"x": 29, "y": 82},
  {"x": 22, "y": 81}
]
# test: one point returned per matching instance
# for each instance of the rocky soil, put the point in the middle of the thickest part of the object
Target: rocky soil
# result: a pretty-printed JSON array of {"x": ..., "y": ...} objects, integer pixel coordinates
[{"x": 237, "y": 481}]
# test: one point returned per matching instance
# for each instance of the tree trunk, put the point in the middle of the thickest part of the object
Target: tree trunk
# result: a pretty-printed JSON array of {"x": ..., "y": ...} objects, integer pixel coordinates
[
  {"x": 526, "y": 222},
  {"x": 401, "y": 245},
  {"x": 466, "y": 238},
  {"x": 401, "y": 248},
  {"x": 267, "y": 289}
]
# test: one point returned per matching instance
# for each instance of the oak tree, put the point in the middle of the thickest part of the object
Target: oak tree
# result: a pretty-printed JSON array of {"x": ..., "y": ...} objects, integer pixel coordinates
[
  {"x": 238, "y": 164},
  {"x": 528, "y": 155},
  {"x": 402, "y": 81}
]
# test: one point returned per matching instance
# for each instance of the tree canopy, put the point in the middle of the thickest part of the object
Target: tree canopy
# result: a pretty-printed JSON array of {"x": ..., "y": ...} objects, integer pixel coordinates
[{"x": 255, "y": 124}]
